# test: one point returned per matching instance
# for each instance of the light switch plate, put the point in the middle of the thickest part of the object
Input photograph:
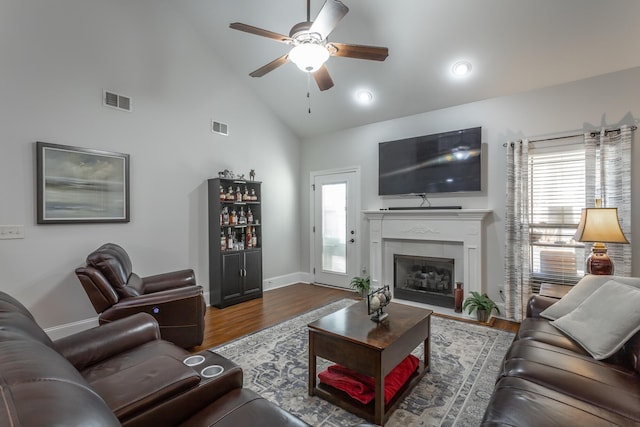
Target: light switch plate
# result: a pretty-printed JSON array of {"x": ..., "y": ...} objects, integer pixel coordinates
[{"x": 11, "y": 231}]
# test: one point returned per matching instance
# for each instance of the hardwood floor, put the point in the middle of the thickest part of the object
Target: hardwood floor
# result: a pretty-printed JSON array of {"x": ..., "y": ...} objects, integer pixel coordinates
[{"x": 277, "y": 305}]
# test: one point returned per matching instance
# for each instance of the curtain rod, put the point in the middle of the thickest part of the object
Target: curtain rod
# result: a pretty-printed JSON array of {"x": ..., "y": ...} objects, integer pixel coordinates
[{"x": 592, "y": 133}]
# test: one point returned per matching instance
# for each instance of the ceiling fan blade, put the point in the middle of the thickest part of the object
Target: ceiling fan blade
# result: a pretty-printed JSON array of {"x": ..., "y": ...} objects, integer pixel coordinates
[
  {"x": 323, "y": 79},
  {"x": 260, "y": 32},
  {"x": 328, "y": 17},
  {"x": 374, "y": 53},
  {"x": 270, "y": 66}
]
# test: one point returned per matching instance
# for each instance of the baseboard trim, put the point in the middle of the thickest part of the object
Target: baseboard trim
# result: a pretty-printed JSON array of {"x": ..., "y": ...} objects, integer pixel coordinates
[
  {"x": 61, "y": 331},
  {"x": 286, "y": 280}
]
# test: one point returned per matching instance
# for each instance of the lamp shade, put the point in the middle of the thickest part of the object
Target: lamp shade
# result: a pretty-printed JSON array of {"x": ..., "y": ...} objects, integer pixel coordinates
[
  {"x": 600, "y": 225},
  {"x": 309, "y": 56}
]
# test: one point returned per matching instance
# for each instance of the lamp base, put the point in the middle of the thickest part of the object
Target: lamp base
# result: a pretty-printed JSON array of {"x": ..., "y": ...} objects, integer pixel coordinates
[{"x": 599, "y": 263}]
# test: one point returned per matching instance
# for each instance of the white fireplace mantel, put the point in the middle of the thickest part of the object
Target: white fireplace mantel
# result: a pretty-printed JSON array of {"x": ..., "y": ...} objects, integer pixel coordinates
[{"x": 460, "y": 226}]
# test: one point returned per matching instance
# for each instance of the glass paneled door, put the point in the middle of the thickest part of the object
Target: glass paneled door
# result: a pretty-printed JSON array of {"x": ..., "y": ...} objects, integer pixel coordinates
[{"x": 334, "y": 231}]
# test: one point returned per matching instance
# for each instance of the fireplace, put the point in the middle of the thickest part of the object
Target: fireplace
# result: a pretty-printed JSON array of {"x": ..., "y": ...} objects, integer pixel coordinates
[
  {"x": 428, "y": 280},
  {"x": 456, "y": 234}
]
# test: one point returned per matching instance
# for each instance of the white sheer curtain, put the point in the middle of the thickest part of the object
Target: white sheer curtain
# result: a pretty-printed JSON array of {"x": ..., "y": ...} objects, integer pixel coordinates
[
  {"x": 611, "y": 151},
  {"x": 517, "y": 258}
]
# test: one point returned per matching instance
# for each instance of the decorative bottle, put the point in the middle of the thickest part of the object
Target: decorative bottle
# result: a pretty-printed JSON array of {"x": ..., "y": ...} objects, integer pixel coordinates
[
  {"x": 230, "y": 240},
  {"x": 238, "y": 194},
  {"x": 249, "y": 216},
  {"x": 223, "y": 196},
  {"x": 458, "y": 295},
  {"x": 225, "y": 216},
  {"x": 249, "y": 239}
]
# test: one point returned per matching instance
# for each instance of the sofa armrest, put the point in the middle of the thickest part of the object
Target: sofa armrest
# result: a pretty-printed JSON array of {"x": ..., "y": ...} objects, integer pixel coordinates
[
  {"x": 538, "y": 303},
  {"x": 94, "y": 345},
  {"x": 171, "y": 280},
  {"x": 167, "y": 307}
]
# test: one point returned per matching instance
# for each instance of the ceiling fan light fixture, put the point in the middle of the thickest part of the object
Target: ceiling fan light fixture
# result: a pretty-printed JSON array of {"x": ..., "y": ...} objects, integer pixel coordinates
[{"x": 309, "y": 57}]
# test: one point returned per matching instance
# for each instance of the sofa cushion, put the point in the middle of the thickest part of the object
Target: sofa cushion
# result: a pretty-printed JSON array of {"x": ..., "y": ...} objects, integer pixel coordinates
[
  {"x": 114, "y": 263},
  {"x": 40, "y": 387},
  {"x": 605, "y": 320},
  {"x": 539, "y": 329},
  {"x": 522, "y": 403},
  {"x": 581, "y": 291},
  {"x": 598, "y": 383}
]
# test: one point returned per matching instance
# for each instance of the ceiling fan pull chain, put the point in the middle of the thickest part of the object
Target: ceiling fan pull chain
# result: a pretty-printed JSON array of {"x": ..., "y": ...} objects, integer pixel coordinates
[{"x": 309, "y": 91}]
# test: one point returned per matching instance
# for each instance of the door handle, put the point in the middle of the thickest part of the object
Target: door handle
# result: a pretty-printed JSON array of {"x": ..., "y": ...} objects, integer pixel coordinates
[{"x": 352, "y": 241}]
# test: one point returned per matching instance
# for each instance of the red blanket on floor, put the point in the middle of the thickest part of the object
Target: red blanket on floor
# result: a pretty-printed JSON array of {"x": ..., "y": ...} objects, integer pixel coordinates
[{"x": 362, "y": 387}]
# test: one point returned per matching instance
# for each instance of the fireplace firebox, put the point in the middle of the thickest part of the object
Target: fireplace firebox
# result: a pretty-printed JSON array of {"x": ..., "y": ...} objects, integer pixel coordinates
[{"x": 427, "y": 280}]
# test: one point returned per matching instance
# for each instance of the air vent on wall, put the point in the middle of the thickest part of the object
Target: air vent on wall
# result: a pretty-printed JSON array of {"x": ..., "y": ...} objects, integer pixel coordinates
[
  {"x": 220, "y": 128},
  {"x": 113, "y": 100}
]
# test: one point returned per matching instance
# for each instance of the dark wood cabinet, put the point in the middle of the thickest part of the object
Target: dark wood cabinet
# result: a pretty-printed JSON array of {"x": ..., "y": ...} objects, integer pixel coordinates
[{"x": 235, "y": 240}]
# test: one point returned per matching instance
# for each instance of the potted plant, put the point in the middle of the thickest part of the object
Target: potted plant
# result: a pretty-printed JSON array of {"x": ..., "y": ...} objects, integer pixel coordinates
[
  {"x": 362, "y": 285},
  {"x": 481, "y": 304}
]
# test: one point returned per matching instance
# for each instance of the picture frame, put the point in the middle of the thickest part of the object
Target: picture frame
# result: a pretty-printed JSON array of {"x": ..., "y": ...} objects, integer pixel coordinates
[{"x": 81, "y": 185}]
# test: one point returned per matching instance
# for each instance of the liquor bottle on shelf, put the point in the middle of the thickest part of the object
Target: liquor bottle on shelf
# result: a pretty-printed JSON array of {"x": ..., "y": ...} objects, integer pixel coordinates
[
  {"x": 225, "y": 216},
  {"x": 248, "y": 238},
  {"x": 246, "y": 196},
  {"x": 230, "y": 194},
  {"x": 254, "y": 240},
  {"x": 249, "y": 216},
  {"x": 238, "y": 194},
  {"x": 233, "y": 217},
  {"x": 223, "y": 196},
  {"x": 229, "y": 239},
  {"x": 254, "y": 197},
  {"x": 242, "y": 219},
  {"x": 223, "y": 241}
]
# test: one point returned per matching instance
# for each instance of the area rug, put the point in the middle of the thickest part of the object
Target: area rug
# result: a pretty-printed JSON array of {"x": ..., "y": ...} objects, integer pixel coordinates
[{"x": 465, "y": 359}]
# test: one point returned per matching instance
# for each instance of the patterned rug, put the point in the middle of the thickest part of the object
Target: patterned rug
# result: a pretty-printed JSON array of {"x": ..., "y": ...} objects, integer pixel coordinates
[{"x": 465, "y": 359}]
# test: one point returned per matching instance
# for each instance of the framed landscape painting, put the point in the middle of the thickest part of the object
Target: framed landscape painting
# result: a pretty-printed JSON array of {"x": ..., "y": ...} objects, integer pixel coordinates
[{"x": 81, "y": 185}]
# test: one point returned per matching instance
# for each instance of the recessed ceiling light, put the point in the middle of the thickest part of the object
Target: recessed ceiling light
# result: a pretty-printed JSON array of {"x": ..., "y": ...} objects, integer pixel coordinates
[
  {"x": 461, "y": 68},
  {"x": 364, "y": 96}
]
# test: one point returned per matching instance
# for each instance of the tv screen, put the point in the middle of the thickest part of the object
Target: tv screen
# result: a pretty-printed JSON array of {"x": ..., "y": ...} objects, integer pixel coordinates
[{"x": 447, "y": 162}]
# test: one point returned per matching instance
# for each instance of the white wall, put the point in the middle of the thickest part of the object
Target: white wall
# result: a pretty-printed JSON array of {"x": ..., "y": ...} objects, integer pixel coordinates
[
  {"x": 57, "y": 56},
  {"x": 608, "y": 100}
]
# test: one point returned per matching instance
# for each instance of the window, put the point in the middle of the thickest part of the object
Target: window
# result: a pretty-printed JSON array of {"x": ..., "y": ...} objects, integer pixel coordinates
[{"x": 557, "y": 196}]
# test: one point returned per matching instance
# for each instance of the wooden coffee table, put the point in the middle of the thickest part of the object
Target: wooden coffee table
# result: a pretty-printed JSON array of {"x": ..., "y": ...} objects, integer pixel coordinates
[{"x": 349, "y": 337}]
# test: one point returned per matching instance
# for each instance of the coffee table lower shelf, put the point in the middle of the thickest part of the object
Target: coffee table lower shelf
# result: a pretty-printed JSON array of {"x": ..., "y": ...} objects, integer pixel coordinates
[{"x": 367, "y": 412}]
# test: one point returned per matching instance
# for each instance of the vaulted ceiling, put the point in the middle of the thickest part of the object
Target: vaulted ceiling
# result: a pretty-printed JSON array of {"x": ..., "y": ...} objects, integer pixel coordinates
[{"x": 513, "y": 46}]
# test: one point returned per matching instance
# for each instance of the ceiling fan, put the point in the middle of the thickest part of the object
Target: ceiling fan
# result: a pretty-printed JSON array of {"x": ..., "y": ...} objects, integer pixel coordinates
[{"x": 311, "y": 48}]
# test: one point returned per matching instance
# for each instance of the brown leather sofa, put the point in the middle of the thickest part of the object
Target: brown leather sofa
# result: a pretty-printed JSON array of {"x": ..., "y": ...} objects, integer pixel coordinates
[
  {"x": 173, "y": 298},
  {"x": 548, "y": 379},
  {"x": 120, "y": 373}
]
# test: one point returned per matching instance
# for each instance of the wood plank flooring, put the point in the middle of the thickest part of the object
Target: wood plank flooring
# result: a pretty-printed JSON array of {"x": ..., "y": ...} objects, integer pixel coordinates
[{"x": 277, "y": 305}]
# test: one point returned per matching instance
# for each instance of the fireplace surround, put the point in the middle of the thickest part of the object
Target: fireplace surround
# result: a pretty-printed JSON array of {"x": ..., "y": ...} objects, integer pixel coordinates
[{"x": 456, "y": 234}]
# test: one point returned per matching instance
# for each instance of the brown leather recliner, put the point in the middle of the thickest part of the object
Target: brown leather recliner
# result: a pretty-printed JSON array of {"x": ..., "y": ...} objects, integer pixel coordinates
[{"x": 173, "y": 298}]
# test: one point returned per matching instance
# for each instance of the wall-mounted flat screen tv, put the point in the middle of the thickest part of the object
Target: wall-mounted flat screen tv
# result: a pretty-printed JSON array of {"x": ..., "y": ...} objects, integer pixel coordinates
[{"x": 447, "y": 162}]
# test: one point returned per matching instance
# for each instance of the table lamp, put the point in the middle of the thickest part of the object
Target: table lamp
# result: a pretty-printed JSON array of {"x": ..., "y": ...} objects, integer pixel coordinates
[{"x": 600, "y": 226}]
